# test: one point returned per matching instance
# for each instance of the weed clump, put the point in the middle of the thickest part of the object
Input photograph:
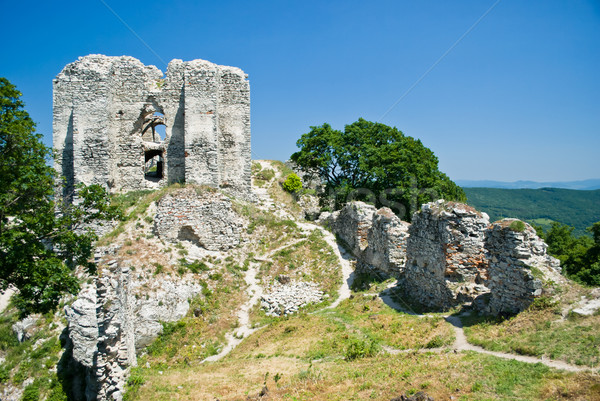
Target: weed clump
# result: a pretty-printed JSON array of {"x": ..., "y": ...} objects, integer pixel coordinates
[{"x": 517, "y": 226}]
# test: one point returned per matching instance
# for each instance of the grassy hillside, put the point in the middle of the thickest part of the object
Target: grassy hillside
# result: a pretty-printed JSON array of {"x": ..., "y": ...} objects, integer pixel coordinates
[{"x": 579, "y": 209}]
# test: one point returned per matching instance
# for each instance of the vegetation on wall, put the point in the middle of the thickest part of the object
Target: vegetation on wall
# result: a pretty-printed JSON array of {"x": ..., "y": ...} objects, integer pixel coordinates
[{"x": 375, "y": 163}]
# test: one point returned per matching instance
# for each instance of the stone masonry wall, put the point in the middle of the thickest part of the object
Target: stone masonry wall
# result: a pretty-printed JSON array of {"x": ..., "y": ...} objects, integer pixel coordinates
[
  {"x": 446, "y": 258},
  {"x": 450, "y": 255},
  {"x": 517, "y": 267},
  {"x": 387, "y": 238},
  {"x": 377, "y": 238},
  {"x": 102, "y": 105},
  {"x": 352, "y": 225},
  {"x": 202, "y": 216}
]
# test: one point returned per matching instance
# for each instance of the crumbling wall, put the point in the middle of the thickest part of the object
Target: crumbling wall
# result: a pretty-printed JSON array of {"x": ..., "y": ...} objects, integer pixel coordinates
[
  {"x": 352, "y": 225},
  {"x": 446, "y": 259},
  {"x": 377, "y": 238},
  {"x": 386, "y": 249},
  {"x": 110, "y": 321},
  {"x": 203, "y": 217},
  {"x": 518, "y": 266},
  {"x": 103, "y": 107}
]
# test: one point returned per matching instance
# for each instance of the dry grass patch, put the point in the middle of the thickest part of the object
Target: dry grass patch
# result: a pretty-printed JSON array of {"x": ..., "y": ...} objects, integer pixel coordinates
[{"x": 460, "y": 376}]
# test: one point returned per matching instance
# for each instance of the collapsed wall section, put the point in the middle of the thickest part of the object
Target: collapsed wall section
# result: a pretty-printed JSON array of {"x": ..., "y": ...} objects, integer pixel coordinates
[
  {"x": 387, "y": 238},
  {"x": 352, "y": 225},
  {"x": 203, "y": 217},
  {"x": 376, "y": 237}
]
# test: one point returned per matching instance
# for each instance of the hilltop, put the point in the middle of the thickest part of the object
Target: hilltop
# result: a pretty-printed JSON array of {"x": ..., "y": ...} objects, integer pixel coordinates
[{"x": 355, "y": 337}]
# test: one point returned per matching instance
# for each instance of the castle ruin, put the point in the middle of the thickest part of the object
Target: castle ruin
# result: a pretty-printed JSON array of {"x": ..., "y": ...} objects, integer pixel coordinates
[{"x": 121, "y": 124}]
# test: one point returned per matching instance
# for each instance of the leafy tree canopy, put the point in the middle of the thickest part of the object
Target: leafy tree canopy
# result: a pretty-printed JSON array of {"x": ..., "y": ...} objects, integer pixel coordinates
[
  {"x": 376, "y": 163},
  {"x": 579, "y": 256},
  {"x": 42, "y": 239}
]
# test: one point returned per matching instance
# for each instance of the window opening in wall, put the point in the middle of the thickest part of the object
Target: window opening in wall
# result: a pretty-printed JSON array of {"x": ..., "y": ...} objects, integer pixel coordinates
[
  {"x": 153, "y": 169},
  {"x": 154, "y": 127}
]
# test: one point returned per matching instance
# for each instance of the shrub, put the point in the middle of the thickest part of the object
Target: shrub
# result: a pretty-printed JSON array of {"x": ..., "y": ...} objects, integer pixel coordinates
[
  {"x": 358, "y": 348},
  {"x": 292, "y": 183}
]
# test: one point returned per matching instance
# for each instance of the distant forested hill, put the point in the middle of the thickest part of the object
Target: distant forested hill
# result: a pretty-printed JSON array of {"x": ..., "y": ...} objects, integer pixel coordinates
[{"x": 579, "y": 209}]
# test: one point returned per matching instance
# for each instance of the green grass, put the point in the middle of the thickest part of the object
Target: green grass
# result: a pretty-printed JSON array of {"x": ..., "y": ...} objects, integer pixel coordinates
[
  {"x": 539, "y": 333},
  {"x": 26, "y": 359}
]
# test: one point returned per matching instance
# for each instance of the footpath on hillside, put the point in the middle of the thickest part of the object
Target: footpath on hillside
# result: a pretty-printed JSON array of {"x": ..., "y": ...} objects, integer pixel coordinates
[{"x": 254, "y": 290}]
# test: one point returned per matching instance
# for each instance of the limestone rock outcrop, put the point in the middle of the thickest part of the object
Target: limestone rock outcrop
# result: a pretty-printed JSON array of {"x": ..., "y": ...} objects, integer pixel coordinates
[
  {"x": 110, "y": 321},
  {"x": 204, "y": 217}
]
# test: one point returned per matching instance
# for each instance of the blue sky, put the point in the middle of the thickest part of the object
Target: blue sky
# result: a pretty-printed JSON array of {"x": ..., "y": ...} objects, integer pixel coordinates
[{"x": 516, "y": 98}]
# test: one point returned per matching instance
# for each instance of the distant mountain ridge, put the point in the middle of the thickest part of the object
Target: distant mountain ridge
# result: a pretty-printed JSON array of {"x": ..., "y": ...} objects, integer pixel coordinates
[{"x": 586, "y": 185}]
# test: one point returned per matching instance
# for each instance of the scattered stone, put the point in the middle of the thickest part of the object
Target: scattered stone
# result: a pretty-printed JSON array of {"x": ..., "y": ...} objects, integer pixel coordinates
[
  {"x": 24, "y": 329},
  {"x": 286, "y": 299}
]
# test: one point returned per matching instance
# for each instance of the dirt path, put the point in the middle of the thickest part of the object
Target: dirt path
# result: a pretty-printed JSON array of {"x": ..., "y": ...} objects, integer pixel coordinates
[
  {"x": 255, "y": 291},
  {"x": 461, "y": 344},
  {"x": 235, "y": 337}
]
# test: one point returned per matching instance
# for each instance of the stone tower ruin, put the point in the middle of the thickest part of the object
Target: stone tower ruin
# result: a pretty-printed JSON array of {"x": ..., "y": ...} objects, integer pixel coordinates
[{"x": 121, "y": 124}]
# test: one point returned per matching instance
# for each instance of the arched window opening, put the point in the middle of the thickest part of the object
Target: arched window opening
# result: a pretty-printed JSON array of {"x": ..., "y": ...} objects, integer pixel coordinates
[{"x": 154, "y": 127}]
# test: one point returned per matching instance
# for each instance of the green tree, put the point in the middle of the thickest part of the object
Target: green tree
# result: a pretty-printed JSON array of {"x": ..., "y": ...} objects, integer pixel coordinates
[
  {"x": 42, "y": 239},
  {"x": 579, "y": 256},
  {"x": 376, "y": 163}
]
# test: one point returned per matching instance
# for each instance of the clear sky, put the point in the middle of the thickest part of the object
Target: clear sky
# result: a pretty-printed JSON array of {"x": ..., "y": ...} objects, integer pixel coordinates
[{"x": 517, "y": 98}]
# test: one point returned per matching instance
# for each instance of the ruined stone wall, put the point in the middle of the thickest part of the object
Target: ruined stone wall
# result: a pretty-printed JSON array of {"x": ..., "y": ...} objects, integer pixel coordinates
[
  {"x": 117, "y": 315},
  {"x": 518, "y": 265},
  {"x": 352, "y": 225},
  {"x": 387, "y": 239},
  {"x": 377, "y": 238},
  {"x": 450, "y": 255},
  {"x": 103, "y": 104},
  {"x": 446, "y": 258},
  {"x": 203, "y": 217}
]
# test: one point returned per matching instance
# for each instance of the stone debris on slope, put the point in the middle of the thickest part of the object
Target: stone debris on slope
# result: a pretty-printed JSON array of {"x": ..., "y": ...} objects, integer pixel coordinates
[{"x": 286, "y": 299}]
